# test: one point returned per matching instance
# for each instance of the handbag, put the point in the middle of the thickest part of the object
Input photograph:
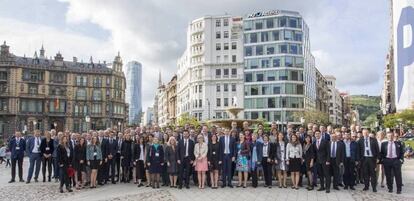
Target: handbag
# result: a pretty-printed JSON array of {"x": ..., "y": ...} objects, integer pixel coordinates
[{"x": 70, "y": 171}]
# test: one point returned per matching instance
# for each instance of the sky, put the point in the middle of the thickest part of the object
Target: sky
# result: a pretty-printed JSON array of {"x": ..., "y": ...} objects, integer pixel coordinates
[{"x": 349, "y": 38}]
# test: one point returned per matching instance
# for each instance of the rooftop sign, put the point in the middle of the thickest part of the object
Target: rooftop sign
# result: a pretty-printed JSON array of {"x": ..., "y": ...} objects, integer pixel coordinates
[{"x": 262, "y": 14}]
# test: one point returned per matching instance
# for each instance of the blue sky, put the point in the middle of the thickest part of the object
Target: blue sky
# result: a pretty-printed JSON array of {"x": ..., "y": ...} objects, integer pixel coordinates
[{"x": 349, "y": 39}]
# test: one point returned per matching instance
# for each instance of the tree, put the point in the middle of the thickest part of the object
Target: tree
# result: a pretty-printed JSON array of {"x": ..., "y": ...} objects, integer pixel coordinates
[
  {"x": 406, "y": 117},
  {"x": 312, "y": 116},
  {"x": 185, "y": 118}
]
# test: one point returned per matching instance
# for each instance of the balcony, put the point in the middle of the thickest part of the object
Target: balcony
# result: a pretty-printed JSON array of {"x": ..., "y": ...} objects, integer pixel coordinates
[{"x": 31, "y": 95}]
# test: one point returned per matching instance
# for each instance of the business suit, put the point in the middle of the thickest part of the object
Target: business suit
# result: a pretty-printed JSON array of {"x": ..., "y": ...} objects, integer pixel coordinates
[
  {"x": 323, "y": 156},
  {"x": 65, "y": 158},
  {"x": 392, "y": 160},
  {"x": 111, "y": 150},
  {"x": 326, "y": 136},
  {"x": 139, "y": 158},
  {"x": 258, "y": 146},
  {"x": 368, "y": 155},
  {"x": 185, "y": 156},
  {"x": 17, "y": 147},
  {"x": 351, "y": 157},
  {"x": 35, "y": 157},
  {"x": 101, "y": 178},
  {"x": 118, "y": 158},
  {"x": 337, "y": 151},
  {"x": 47, "y": 148},
  {"x": 226, "y": 158}
]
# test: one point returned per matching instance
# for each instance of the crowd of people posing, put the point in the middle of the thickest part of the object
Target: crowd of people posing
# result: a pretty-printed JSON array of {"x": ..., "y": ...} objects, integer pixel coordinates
[{"x": 342, "y": 157}]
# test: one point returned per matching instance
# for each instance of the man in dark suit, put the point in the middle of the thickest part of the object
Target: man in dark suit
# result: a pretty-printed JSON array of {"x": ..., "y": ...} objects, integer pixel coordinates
[
  {"x": 325, "y": 135},
  {"x": 259, "y": 154},
  {"x": 227, "y": 156},
  {"x": 392, "y": 157},
  {"x": 185, "y": 159},
  {"x": 17, "y": 146},
  {"x": 35, "y": 156},
  {"x": 337, "y": 158},
  {"x": 72, "y": 143},
  {"x": 207, "y": 139},
  {"x": 112, "y": 149},
  {"x": 368, "y": 155},
  {"x": 103, "y": 142},
  {"x": 118, "y": 156},
  {"x": 351, "y": 157},
  {"x": 323, "y": 159}
]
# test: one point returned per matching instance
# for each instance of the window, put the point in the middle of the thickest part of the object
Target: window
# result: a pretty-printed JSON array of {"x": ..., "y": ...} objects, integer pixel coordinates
[
  {"x": 294, "y": 75},
  {"x": 226, "y": 58},
  {"x": 248, "y": 77},
  {"x": 31, "y": 105},
  {"x": 259, "y": 25},
  {"x": 254, "y": 90},
  {"x": 218, "y": 46},
  {"x": 33, "y": 89},
  {"x": 218, "y": 23},
  {"x": 218, "y": 88},
  {"x": 218, "y": 34},
  {"x": 248, "y": 51},
  {"x": 253, "y": 38},
  {"x": 233, "y": 58},
  {"x": 81, "y": 94},
  {"x": 264, "y": 37},
  {"x": 233, "y": 45},
  {"x": 276, "y": 90},
  {"x": 3, "y": 104},
  {"x": 259, "y": 50},
  {"x": 270, "y": 50},
  {"x": 96, "y": 108},
  {"x": 200, "y": 88},
  {"x": 233, "y": 87},
  {"x": 293, "y": 49},
  {"x": 259, "y": 77},
  {"x": 226, "y": 46},
  {"x": 265, "y": 63},
  {"x": 255, "y": 115},
  {"x": 275, "y": 35},
  {"x": 271, "y": 103},
  {"x": 293, "y": 22},
  {"x": 3, "y": 75},
  {"x": 288, "y": 35},
  {"x": 57, "y": 106},
  {"x": 218, "y": 72},
  {"x": 288, "y": 61},
  {"x": 225, "y": 22},
  {"x": 298, "y": 36},
  {"x": 282, "y": 21},
  {"x": 226, "y": 102},
  {"x": 234, "y": 72},
  {"x": 226, "y": 34},
  {"x": 269, "y": 23},
  {"x": 200, "y": 103},
  {"x": 97, "y": 95},
  {"x": 226, "y": 87},
  {"x": 218, "y": 115},
  {"x": 218, "y": 102},
  {"x": 226, "y": 72},
  {"x": 299, "y": 89},
  {"x": 283, "y": 48},
  {"x": 218, "y": 59}
]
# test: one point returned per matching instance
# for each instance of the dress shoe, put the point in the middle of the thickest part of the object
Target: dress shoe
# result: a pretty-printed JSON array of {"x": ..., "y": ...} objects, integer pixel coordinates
[
  {"x": 336, "y": 188},
  {"x": 230, "y": 186},
  {"x": 374, "y": 190},
  {"x": 365, "y": 189},
  {"x": 341, "y": 185},
  {"x": 69, "y": 190},
  {"x": 398, "y": 192},
  {"x": 27, "y": 182},
  {"x": 187, "y": 187},
  {"x": 346, "y": 187},
  {"x": 389, "y": 190},
  {"x": 21, "y": 180},
  {"x": 352, "y": 188},
  {"x": 180, "y": 187},
  {"x": 61, "y": 190},
  {"x": 11, "y": 181},
  {"x": 223, "y": 186},
  {"x": 36, "y": 180},
  {"x": 328, "y": 191},
  {"x": 321, "y": 189}
]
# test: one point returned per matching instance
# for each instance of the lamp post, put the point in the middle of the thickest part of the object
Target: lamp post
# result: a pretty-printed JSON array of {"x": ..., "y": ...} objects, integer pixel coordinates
[
  {"x": 34, "y": 125},
  {"x": 87, "y": 119},
  {"x": 302, "y": 121},
  {"x": 119, "y": 126}
]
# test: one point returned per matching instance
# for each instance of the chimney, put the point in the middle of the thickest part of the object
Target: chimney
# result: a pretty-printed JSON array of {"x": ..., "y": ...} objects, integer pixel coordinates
[{"x": 4, "y": 49}]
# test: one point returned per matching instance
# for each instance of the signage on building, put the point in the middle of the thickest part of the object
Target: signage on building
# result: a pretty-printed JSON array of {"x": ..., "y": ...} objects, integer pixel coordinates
[
  {"x": 403, "y": 31},
  {"x": 262, "y": 14}
]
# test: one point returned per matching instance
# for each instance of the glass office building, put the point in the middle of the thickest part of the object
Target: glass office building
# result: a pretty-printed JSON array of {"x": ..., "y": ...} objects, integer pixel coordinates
[
  {"x": 133, "y": 74},
  {"x": 279, "y": 70}
]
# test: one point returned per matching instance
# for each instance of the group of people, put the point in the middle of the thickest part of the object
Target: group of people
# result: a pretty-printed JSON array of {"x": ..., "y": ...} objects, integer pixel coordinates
[{"x": 147, "y": 156}]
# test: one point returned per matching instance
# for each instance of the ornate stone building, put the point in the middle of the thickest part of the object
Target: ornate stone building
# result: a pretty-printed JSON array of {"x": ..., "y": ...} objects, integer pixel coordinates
[{"x": 51, "y": 93}]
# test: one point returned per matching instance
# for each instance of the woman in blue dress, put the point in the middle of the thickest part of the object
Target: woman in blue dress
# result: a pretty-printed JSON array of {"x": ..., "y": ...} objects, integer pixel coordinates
[
  {"x": 155, "y": 161},
  {"x": 242, "y": 165}
]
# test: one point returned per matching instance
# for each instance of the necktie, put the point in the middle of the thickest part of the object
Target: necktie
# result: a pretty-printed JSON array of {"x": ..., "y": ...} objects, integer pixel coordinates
[
  {"x": 390, "y": 149},
  {"x": 319, "y": 141},
  {"x": 333, "y": 152}
]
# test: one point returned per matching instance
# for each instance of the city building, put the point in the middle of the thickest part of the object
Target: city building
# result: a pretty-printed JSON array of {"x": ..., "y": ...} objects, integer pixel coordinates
[
  {"x": 210, "y": 71},
  {"x": 162, "y": 107},
  {"x": 279, "y": 69},
  {"x": 322, "y": 93},
  {"x": 171, "y": 90},
  {"x": 133, "y": 75},
  {"x": 42, "y": 93},
  {"x": 148, "y": 117},
  {"x": 335, "y": 101}
]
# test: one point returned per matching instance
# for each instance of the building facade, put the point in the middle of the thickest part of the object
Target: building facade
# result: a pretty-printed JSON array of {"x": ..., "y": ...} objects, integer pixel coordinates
[
  {"x": 171, "y": 90},
  {"x": 148, "y": 117},
  {"x": 335, "y": 101},
  {"x": 42, "y": 93},
  {"x": 279, "y": 69},
  {"x": 133, "y": 93},
  {"x": 322, "y": 93},
  {"x": 210, "y": 71}
]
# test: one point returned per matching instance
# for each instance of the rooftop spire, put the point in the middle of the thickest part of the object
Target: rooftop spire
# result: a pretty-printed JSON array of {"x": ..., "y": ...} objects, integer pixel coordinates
[
  {"x": 35, "y": 54},
  {"x": 159, "y": 78},
  {"x": 42, "y": 52}
]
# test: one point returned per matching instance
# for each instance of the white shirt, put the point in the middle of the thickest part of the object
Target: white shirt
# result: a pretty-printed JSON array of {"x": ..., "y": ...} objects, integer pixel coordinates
[
  {"x": 141, "y": 154},
  {"x": 333, "y": 145},
  {"x": 206, "y": 138},
  {"x": 265, "y": 148},
  {"x": 392, "y": 152},
  {"x": 367, "y": 147},
  {"x": 36, "y": 145},
  {"x": 226, "y": 144},
  {"x": 186, "y": 147}
]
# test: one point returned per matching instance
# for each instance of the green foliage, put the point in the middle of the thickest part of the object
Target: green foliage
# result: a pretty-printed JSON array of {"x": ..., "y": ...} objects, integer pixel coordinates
[
  {"x": 406, "y": 118},
  {"x": 187, "y": 119},
  {"x": 367, "y": 106},
  {"x": 312, "y": 116},
  {"x": 370, "y": 121}
]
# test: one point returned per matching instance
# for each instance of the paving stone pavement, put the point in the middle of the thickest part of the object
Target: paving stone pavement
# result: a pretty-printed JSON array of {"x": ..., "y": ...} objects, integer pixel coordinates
[{"x": 129, "y": 192}]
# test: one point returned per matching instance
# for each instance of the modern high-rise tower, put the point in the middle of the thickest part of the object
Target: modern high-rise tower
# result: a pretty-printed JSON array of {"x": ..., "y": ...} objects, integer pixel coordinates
[{"x": 133, "y": 93}]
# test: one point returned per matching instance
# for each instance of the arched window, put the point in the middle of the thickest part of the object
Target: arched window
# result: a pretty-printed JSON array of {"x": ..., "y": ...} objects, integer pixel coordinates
[{"x": 97, "y": 94}]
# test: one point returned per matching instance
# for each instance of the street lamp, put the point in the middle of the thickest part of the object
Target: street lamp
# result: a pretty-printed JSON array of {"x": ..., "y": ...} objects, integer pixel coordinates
[
  {"x": 55, "y": 126},
  {"x": 119, "y": 126},
  {"x": 87, "y": 119},
  {"x": 34, "y": 125}
]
